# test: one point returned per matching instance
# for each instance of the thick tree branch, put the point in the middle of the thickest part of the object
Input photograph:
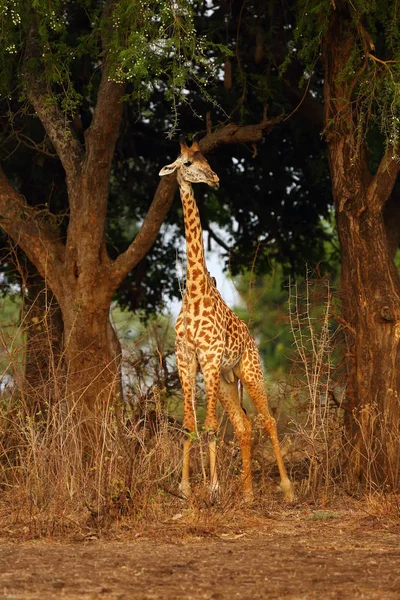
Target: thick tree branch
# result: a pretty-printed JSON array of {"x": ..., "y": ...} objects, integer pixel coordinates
[
  {"x": 87, "y": 218},
  {"x": 102, "y": 134},
  {"x": 229, "y": 134},
  {"x": 88, "y": 201},
  {"x": 147, "y": 235},
  {"x": 382, "y": 183},
  {"x": 235, "y": 134},
  {"x": 31, "y": 230}
]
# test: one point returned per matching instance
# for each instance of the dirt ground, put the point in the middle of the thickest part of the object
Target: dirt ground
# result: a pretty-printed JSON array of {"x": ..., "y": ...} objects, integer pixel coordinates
[{"x": 291, "y": 555}]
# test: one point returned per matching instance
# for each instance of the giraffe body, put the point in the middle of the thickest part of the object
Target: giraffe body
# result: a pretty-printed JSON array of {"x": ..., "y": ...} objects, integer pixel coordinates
[{"x": 210, "y": 337}]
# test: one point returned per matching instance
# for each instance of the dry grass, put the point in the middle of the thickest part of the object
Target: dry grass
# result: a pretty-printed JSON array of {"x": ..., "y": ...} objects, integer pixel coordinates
[{"x": 49, "y": 487}]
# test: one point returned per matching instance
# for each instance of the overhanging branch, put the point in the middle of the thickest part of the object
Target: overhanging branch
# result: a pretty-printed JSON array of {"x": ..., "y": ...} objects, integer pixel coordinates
[{"x": 235, "y": 134}]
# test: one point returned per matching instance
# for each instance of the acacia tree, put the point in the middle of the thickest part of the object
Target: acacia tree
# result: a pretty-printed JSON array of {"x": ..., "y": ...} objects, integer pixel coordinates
[
  {"x": 361, "y": 60},
  {"x": 128, "y": 47}
]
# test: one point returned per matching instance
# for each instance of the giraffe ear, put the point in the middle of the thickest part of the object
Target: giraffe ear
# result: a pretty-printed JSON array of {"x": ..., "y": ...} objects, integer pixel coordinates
[
  {"x": 195, "y": 145},
  {"x": 168, "y": 169}
]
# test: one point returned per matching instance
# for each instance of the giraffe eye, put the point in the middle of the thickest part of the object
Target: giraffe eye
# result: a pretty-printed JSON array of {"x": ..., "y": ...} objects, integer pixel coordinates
[{"x": 187, "y": 163}]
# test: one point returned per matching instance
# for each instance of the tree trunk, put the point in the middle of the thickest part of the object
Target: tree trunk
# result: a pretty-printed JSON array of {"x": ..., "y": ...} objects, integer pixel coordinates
[
  {"x": 370, "y": 288},
  {"x": 370, "y": 284},
  {"x": 71, "y": 353},
  {"x": 93, "y": 379},
  {"x": 42, "y": 321},
  {"x": 92, "y": 352}
]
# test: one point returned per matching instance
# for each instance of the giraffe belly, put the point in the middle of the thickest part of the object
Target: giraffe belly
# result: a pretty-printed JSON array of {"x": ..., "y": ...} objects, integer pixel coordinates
[
  {"x": 229, "y": 361},
  {"x": 235, "y": 345}
]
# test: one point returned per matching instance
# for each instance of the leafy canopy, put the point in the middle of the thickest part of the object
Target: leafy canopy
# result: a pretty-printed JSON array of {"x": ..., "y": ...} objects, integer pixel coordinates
[
  {"x": 372, "y": 72},
  {"x": 149, "y": 45}
]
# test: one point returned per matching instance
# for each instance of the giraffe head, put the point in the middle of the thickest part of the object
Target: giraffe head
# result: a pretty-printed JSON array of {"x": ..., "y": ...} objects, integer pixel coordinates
[{"x": 192, "y": 166}]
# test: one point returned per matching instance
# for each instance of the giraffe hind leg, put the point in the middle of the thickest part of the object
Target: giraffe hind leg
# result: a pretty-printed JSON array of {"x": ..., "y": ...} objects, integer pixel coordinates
[
  {"x": 250, "y": 373},
  {"x": 229, "y": 398}
]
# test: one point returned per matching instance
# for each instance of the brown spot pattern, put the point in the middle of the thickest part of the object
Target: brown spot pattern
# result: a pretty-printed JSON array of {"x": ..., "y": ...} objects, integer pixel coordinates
[{"x": 211, "y": 337}]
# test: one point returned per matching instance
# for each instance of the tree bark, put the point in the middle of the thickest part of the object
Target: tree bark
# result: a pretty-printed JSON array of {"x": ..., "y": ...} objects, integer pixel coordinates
[
  {"x": 370, "y": 283},
  {"x": 42, "y": 320}
]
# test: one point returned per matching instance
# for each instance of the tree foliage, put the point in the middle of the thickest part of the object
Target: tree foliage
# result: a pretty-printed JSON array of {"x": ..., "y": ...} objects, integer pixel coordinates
[
  {"x": 373, "y": 65},
  {"x": 272, "y": 198},
  {"x": 150, "y": 45}
]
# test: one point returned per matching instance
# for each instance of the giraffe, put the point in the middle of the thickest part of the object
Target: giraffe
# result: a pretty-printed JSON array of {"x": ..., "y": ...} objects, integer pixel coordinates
[{"x": 211, "y": 337}]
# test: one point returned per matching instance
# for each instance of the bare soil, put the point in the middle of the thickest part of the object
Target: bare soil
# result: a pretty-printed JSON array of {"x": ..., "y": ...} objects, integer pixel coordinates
[{"x": 295, "y": 554}]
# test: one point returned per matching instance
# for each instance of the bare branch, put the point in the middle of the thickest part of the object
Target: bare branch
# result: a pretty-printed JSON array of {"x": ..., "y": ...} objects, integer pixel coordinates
[
  {"x": 229, "y": 134},
  {"x": 32, "y": 145},
  {"x": 216, "y": 238},
  {"x": 302, "y": 101},
  {"x": 211, "y": 233},
  {"x": 381, "y": 62}
]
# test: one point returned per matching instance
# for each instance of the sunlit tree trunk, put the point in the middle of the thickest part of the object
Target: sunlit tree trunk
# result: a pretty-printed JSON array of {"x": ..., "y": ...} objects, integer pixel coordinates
[{"x": 370, "y": 284}]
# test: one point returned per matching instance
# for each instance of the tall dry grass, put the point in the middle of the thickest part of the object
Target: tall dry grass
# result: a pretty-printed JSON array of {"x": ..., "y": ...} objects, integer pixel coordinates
[
  {"x": 318, "y": 420},
  {"x": 52, "y": 484},
  {"x": 47, "y": 487}
]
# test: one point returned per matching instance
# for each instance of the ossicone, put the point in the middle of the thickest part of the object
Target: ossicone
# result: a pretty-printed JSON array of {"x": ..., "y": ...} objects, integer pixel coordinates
[
  {"x": 182, "y": 142},
  {"x": 195, "y": 143}
]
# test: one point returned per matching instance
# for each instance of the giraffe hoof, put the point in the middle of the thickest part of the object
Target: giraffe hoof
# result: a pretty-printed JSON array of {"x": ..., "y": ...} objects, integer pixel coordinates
[
  {"x": 248, "y": 497},
  {"x": 185, "y": 490},
  {"x": 288, "y": 491},
  {"x": 215, "y": 493}
]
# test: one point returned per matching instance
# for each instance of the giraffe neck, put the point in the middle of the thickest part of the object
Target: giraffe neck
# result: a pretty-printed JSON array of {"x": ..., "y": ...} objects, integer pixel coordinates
[{"x": 196, "y": 270}]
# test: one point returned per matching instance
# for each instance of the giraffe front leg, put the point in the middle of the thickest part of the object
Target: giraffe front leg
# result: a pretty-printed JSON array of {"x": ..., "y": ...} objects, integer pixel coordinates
[
  {"x": 214, "y": 484},
  {"x": 184, "y": 485},
  {"x": 187, "y": 369},
  {"x": 211, "y": 379}
]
